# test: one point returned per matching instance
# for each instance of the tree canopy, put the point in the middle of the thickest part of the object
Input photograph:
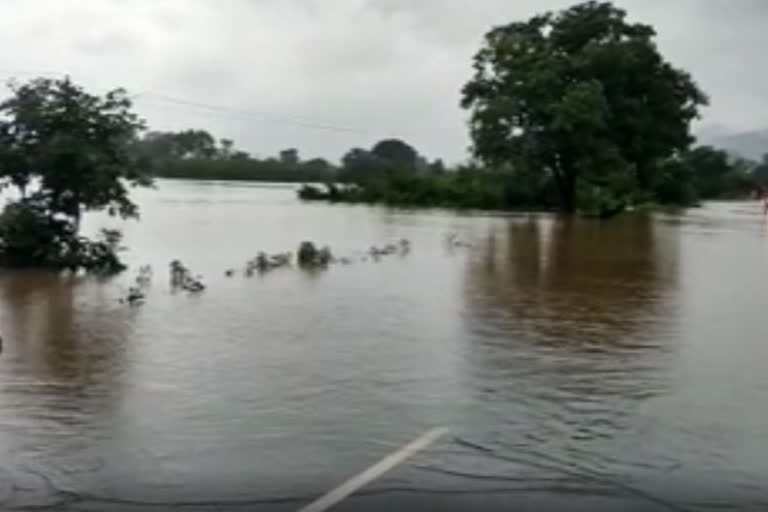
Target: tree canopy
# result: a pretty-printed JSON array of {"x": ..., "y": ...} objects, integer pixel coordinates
[
  {"x": 396, "y": 152},
  {"x": 581, "y": 95},
  {"x": 184, "y": 144},
  {"x": 387, "y": 158},
  {"x": 66, "y": 151},
  {"x": 76, "y": 144}
]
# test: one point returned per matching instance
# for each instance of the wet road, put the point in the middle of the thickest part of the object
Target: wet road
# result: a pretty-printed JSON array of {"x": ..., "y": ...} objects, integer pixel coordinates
[{"x": 578, "y": 364}]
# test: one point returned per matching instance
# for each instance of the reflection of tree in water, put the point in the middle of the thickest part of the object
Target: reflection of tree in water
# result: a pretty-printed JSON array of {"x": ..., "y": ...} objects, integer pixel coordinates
[
  {"x": 60, "y": 380},
  {"x": 61, "y": 330},
  {"x": 63, "y": 346},
  {"x": 570, "y": 323},
  {"x": 577, "y": 284}
]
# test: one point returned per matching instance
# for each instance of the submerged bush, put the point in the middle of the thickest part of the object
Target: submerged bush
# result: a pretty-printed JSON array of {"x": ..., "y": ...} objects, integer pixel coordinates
[
  {"x": 30, "y": 236},
  {"x": 469, "y": 187}
]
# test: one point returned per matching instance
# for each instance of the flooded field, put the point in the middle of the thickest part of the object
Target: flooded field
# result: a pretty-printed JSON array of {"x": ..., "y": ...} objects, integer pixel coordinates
[{"x": 574, "y": 362}]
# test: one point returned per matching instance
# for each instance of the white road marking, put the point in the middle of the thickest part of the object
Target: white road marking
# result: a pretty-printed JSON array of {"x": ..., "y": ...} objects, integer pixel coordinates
[{"x": 352, "y": 485}]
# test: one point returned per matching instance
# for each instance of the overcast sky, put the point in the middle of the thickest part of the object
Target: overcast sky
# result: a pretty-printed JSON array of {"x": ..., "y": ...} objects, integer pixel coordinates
[{"x": 327, "y": 75}]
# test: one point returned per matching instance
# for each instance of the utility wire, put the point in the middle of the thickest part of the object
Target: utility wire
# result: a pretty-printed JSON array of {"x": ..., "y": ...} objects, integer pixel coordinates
[
  {"x": 298, "y": 121},
  {"x": 149, "y": 95}
]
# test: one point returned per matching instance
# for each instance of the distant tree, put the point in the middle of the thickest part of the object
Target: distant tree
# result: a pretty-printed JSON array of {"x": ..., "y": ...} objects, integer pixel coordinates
[
  {"x": 437, "y": 167},
  {"x": 241, "y": 155},
  {"x": 289, "y": 156},
  {"x": 164, "y": 146},
  {"x": 359, "y": 165},
  {"x": 710, "y": 168},
  {"x": 159, "y": 146},
  {"x": 226, "y": 147},
  {"x": 356, "y": 156},
  {"x": 422, "y": 164},
  {"x": 396, "y": 152},
  {"x": 320, "y": 165},
  {"x": 676, "y": 182},
  {"x": 67, "y": 151},
  {"x": 195, "y": 144},
  {"x": 584, "y": 97}
]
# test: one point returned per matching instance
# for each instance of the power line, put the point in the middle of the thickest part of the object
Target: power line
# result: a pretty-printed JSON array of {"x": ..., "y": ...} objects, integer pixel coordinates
[
  {"x": 301, "y": 122},
  {"x": 298, "y": 121}
]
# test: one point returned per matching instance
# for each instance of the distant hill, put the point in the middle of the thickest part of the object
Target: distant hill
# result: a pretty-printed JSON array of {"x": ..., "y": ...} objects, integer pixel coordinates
[{"x": 752, "y": 145}]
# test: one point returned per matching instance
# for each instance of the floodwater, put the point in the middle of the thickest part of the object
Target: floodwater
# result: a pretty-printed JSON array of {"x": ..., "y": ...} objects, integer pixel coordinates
[{"x": 578, "y": 365}]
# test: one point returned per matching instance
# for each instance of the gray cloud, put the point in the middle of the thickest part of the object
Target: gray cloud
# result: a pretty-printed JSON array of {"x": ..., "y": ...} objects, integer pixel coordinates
[{"x": 379, "y": 67}]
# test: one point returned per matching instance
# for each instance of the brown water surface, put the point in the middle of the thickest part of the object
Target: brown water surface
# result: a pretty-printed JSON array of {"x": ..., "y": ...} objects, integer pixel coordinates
[{"x": 575, "y": 362}]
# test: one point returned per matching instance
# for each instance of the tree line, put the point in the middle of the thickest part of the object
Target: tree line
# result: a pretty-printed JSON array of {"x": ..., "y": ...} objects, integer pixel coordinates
[
  {"x": 196, "y": 154},
  {"x": 392, "y": 171}
]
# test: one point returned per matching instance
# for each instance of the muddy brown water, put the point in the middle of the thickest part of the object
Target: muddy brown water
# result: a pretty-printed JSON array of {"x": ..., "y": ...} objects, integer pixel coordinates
[{"x": 577, "y": 363}]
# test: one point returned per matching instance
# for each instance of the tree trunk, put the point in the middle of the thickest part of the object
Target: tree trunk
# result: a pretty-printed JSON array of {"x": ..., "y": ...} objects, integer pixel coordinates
[
  {"x": 566, "y": 185},
  {"x": 569, "y": 194}
]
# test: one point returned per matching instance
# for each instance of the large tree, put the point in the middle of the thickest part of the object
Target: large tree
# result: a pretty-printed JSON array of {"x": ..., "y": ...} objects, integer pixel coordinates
[
  {"x": 396, "y": 152},
  {"x": 359, "y": 165},
  {"x": 582, "y": 95},
  {"x": 67, "y": 151}
]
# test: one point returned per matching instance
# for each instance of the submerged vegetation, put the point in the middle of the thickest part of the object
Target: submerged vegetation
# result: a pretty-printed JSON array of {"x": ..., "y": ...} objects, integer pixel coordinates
[
  {"x": 699, "y": 174},
  {"x": 309, "y": 258},
  {"x": 65, "y": 152},
  {"x": 464, "y": 187}
]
